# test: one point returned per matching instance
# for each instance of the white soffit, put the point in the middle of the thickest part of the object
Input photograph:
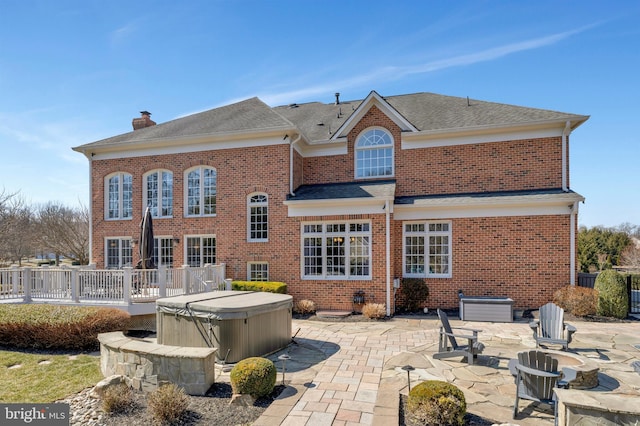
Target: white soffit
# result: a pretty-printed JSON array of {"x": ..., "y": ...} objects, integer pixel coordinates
[
  {"x": 457, "y": 137},
  {"x": 464, "y": 207},
  {"x": 180, "y": 147},
  {"x": 347, "y": 206}
]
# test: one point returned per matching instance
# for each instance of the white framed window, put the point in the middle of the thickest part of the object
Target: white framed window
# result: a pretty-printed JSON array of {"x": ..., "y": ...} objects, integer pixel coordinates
[
  {"x": 118, "y": 196},
  {"x": 340, "y": 250},
  {"x": 163, "y": 251},
  {"x": 200, "y": 250},
  {"x": 201, "y": 190},
  {"x": 258, "y": 271},
  {"x": 427, "y": 249},
  {"x": 258, "y": 215},
  {"x": 118, "y": 252},
  {"x": 158, "y": 193},
  {"x": 374, "y": 154}
]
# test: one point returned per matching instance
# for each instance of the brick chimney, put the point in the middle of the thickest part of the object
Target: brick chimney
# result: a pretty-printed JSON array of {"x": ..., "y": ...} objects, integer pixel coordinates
[{"x": 143, "y": 121}]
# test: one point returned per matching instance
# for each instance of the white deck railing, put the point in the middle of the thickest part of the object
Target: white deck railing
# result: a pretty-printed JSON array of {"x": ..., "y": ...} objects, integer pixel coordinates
[{"x": 79, "y": 284}]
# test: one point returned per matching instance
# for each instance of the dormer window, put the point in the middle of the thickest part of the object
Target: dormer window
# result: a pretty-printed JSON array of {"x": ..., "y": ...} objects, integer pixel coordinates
[{"x": 374, "y": 154}]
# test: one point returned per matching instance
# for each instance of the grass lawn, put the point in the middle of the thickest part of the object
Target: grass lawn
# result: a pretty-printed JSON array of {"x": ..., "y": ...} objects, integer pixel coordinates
[{"x": 44, "y": 378}]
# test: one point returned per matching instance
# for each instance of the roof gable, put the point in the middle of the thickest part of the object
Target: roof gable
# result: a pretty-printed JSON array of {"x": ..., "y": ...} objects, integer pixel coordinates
[{"x": 373, "y": 99}]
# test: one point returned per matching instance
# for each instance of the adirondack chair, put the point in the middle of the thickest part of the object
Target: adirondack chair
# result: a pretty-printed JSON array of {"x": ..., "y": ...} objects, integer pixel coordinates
[
  {"x": 536, "y": 377},
  {"x": 448, "y": 345},
  {"x": 551, "y": 328}
]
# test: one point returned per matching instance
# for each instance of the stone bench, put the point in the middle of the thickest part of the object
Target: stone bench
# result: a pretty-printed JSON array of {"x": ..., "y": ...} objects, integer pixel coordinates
[{"x": 147, "y": 365}]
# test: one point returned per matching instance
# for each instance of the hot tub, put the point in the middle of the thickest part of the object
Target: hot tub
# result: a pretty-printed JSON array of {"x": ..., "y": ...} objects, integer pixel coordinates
[
  {"x": 240, "y": 324},
  {"x": 486, "y": 308}
]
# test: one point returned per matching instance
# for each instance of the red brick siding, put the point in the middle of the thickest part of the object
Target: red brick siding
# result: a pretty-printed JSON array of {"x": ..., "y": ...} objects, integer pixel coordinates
[
  {"x": 526, "y": 258},
  {"x": 239, "y": 173}
]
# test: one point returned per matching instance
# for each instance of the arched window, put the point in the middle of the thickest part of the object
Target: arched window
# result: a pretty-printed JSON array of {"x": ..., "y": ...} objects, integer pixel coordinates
[
  {"x": 258, "y": 214},
  {"x": 374, "y": 154},
  {"x": 158, "y": 192},
  {"x": 118, "y": 196},
  {"x": 200, "y": 194}
]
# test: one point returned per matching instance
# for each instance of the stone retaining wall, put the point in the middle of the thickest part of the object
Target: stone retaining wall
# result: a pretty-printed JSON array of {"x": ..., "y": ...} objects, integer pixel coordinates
[{"x": 148, "y": 365}]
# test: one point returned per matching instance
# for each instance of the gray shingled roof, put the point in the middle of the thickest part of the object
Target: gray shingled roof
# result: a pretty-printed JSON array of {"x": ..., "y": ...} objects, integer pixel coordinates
[
  {"x": 333, "y": 191},
  {"x": 409, "y": 200},
  {"x": 317, "y": 121},
  {"x": 246, "y": 116}
]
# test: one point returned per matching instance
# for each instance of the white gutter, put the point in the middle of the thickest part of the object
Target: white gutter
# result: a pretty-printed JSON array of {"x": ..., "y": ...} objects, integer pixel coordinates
[
  {"x": 572, "y": 245},
  {"x": 293, "y": 142},
  {"x": 565, "y": 133},
  {"x": 387, "y": 209}
]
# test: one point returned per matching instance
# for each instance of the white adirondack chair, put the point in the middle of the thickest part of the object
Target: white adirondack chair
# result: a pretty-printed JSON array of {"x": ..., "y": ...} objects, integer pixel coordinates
[{"x": 551, "y": 328}]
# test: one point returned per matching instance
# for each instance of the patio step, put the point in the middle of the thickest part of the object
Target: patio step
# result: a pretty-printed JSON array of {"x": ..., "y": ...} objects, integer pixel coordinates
[{"x": 333, "y": 314}]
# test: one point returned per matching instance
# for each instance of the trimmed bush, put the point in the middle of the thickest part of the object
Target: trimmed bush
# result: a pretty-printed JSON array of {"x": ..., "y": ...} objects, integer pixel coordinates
[
  {"x": 167, "y": 403},
  {"x": 613, "y": 300},
  {"x": 580, "y": 301},
  {"x": 304, "y": 307},
  {"x": 253, "y": 376},
  {"x": 415, "y": 293},
  {"x": 36, "y": 326},
  {"x": 374, "y": 310},
  {"x": 117, "y": 399},
  {"x": 434, "y": 402},
  {"x": 266, "y": 286}
]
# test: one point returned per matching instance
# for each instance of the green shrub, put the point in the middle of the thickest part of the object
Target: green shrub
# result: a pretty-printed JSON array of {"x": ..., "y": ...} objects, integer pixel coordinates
[
  {"x": 266, "y": 286},
  {"x": 613, "y": 300},
  {"x": 39, "y": 326},
  {"x": 117, "y": 399},
  {"x": 253, "y": 376},
  {"x": 167, "y": 403},
  {"x": 434, "y": 402},
  {"x": 580, "y": 301},
  {"x": 415, "y": 293}
]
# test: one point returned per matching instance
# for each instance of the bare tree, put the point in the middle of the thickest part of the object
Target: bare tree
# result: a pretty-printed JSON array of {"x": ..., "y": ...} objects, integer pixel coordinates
[
  {"x": 16, "y": 229},
  {"x": 64, "y": 231},
  {"x": 631, "y": 255}
]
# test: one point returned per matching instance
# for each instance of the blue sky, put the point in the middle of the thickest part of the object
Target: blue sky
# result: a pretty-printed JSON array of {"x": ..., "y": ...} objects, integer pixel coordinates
[{"x": 73, "y": 72}]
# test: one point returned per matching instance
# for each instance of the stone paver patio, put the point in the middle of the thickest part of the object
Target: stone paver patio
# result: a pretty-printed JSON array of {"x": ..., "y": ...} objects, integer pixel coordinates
[{"x": 349, "y": 373}]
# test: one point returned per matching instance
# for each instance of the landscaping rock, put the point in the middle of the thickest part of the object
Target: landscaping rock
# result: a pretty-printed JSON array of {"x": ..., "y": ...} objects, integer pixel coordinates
[{"x": 99, "y": 389}]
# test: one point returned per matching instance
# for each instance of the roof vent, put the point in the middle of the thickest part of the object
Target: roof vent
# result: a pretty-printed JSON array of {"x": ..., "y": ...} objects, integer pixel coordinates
[
  {"x": 337, "y": 98},
  {"x": 293, "y": 105}
]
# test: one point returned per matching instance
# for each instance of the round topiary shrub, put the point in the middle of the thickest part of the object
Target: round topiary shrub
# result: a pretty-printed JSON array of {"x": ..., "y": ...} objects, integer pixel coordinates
[
  {"x": 253, "y": 376},
  {"x": 434, "y": 402},
  {"x": 613, "y": 300}
]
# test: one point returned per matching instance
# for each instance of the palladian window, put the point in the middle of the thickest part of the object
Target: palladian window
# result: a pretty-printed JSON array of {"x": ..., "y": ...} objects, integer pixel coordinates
[{"x": 374, "y": 154}]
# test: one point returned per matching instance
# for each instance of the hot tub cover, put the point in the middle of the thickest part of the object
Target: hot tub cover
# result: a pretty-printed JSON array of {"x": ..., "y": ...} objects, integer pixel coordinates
[{"x": 224, "y": 305}]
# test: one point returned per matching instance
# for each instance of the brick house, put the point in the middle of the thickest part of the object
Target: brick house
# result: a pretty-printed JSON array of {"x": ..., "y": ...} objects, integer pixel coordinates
[{"x": 349, "y": 196}]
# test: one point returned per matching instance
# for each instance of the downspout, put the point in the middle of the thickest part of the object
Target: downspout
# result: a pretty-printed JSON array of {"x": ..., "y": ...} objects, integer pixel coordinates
[
  {"x": 90, "y": 207},
  {"x": 387, "y": 209},
  {"x": 293, "y": 142},
  {"x": 565, "y": 133},
  {"x": 572, "y": 245}
]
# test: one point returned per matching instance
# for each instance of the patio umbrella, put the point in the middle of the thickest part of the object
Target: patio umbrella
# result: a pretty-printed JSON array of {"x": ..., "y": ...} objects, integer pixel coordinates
[{"x": 146, "y": 245}]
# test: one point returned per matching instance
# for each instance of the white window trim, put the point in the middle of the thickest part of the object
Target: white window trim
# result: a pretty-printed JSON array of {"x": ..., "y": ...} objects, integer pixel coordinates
[
  {"x": 121, "y": 176},
  {"x": 145, "y": 199},
  {"x": 249, "y": 264},
  {"x": 119, "y": 239},
  {"x": 426, "y": 235},
  {"x": 258, "y": 204},
  {"x": 158, "y": 248},
  {"x": 186, "y": 191},
  {"x": 323, "y": 235},
  {"x": 360, "y": 149},
  {"x": 201, "y": 236}
]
